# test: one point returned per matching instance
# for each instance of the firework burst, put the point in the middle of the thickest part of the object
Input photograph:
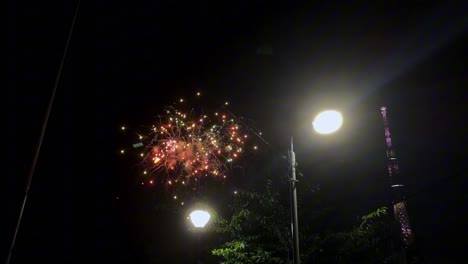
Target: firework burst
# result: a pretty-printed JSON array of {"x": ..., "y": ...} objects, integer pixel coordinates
[{"x": 184, "y": 146}]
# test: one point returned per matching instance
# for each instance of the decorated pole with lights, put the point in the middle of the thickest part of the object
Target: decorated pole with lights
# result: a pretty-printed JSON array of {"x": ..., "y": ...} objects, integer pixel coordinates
[{"x": 398, "y": 197}]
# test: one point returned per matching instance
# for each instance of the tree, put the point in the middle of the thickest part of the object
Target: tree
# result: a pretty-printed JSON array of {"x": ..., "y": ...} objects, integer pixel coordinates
[
  {"x": 256, "y": 232},
  {"x": 375, "y": 239}
]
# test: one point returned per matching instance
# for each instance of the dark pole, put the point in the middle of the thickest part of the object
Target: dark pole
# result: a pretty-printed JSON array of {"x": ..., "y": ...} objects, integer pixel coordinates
[
  {"x": 44, "y": 126},
  {"x": 198, "y": 259},
  {"x": 295, "y": 224}
]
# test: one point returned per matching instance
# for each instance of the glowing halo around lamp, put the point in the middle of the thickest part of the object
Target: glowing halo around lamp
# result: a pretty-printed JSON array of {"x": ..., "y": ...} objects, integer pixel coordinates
[
  {"x": 199, "y": 218},
  {"x": 327, "y": 122}
]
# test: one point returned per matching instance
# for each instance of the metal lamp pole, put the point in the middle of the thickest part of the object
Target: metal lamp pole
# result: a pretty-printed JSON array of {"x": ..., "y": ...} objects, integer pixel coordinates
[
  {"x": 294, "y": 220},
  {"x": 326, "y": 122}
]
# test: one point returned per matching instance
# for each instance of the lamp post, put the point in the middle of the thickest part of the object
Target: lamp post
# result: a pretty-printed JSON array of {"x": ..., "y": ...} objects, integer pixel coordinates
[
  {"x": 294, "y": 220},
  {"x": 199, "y": 219},
  {"x": 325, "y": 122}
]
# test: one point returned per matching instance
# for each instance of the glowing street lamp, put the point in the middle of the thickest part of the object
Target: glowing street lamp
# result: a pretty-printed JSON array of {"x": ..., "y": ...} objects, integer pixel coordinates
[
  {"x": 199, "y": 218},
  {"x": 326, "y": 122}
]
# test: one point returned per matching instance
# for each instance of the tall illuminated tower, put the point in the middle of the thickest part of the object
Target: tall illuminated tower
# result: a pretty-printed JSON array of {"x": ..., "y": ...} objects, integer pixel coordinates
[{"x": 398, "y": 190}]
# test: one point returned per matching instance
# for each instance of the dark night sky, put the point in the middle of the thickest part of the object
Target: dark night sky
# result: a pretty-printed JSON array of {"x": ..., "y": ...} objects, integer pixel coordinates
[{"x": 354, "y": 58}]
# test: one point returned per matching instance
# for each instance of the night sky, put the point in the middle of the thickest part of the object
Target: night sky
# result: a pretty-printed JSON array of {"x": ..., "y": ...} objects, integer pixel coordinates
[{"x": 278, "y": 65}]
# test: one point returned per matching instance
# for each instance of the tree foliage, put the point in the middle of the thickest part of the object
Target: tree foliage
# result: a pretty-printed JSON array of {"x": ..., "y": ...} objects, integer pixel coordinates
[
  {"x": 375, "y": 239},
  {"x": 256, "y": 232}
]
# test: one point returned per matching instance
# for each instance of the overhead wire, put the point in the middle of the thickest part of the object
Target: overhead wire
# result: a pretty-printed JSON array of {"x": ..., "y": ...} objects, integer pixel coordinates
[{"x": 41, "y": 137}]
